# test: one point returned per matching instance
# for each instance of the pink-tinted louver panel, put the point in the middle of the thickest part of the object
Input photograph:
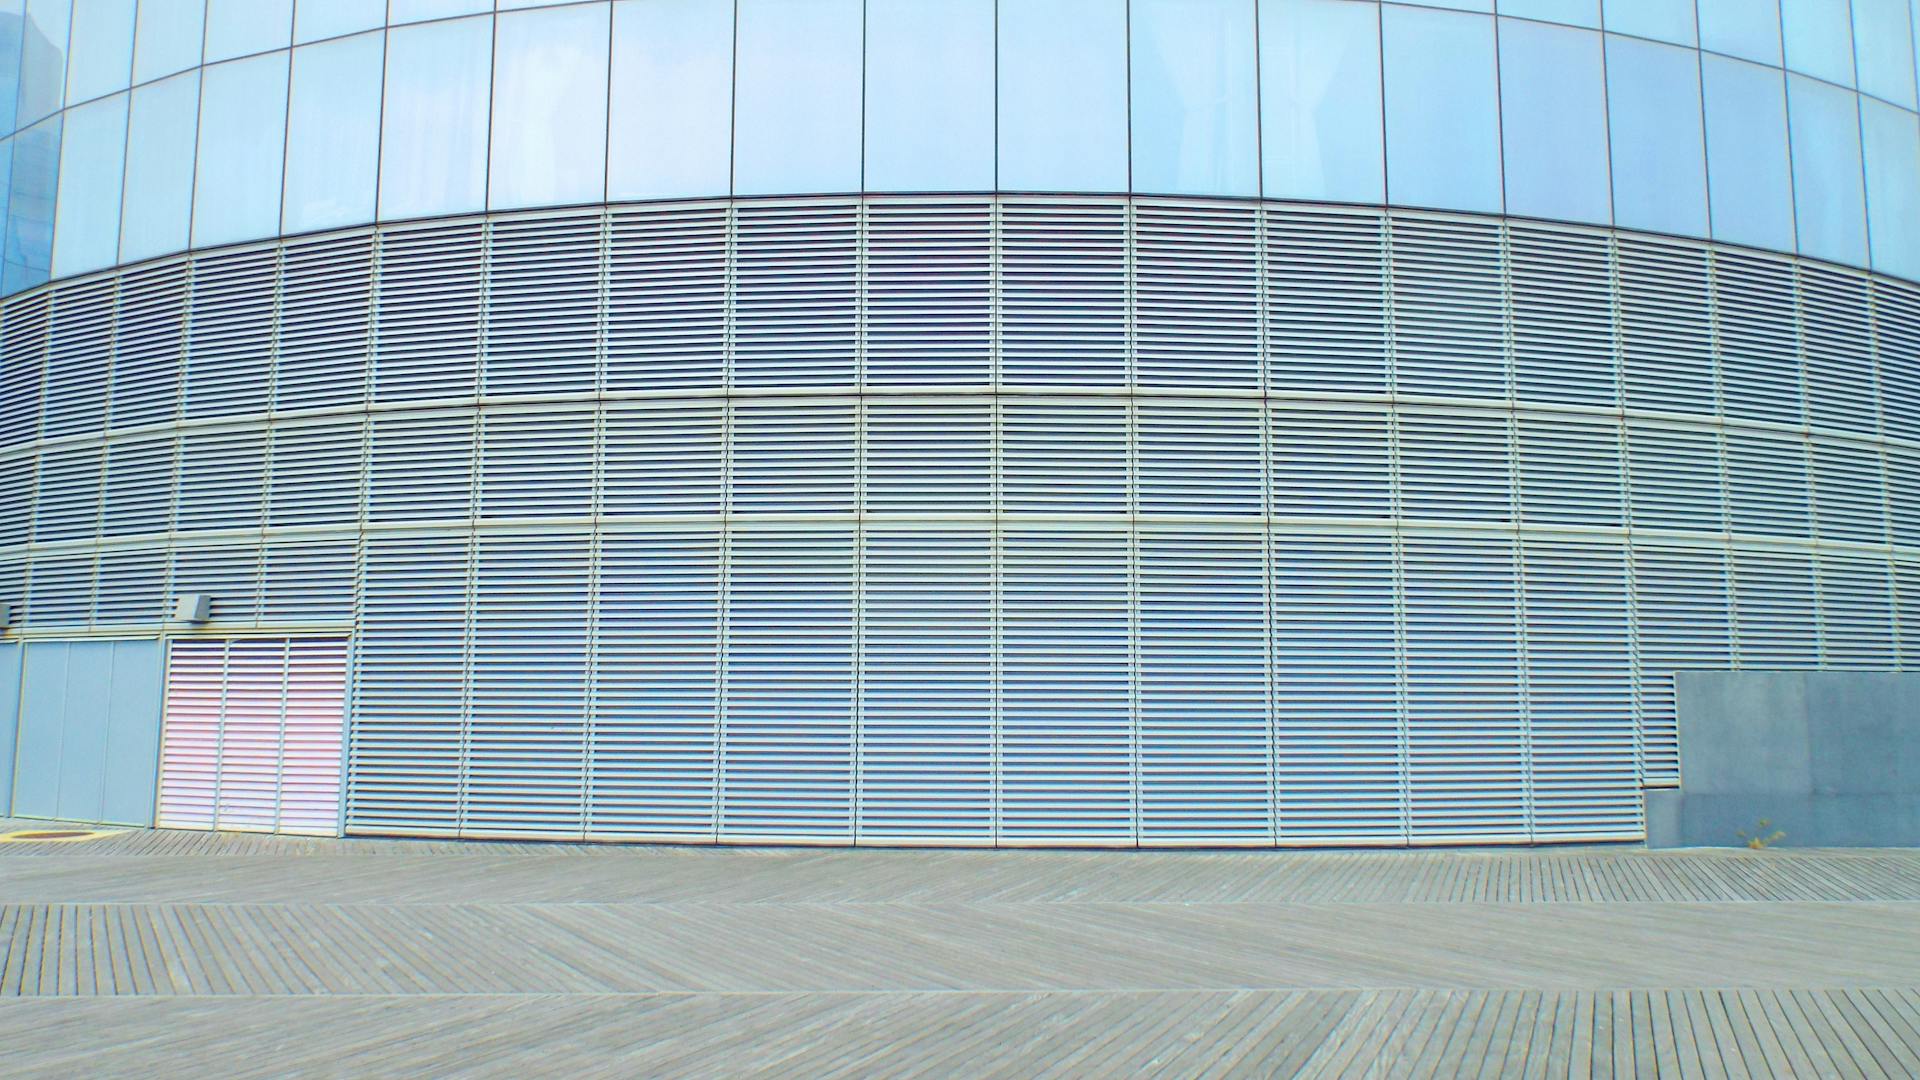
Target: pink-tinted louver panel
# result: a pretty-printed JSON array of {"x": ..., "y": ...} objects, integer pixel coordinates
[
  {"x": 310, "y": 762},
  {"x": 190, "y": 744},
  {"x": 250, "y": 736}
]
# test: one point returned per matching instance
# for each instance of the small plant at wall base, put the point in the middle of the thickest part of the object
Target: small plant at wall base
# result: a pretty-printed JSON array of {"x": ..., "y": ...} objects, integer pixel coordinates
[{"x": 1761, "y": 839}]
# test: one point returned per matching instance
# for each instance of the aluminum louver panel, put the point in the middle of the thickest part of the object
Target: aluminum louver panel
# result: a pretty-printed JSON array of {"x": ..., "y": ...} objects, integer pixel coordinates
[
  {"x": 1206, "y": 743},
  {"x": 793, "y": 457},
  {"x": 543, "y": 305},
  {"x": 420, "y": 467},
  {"x": 228, "y": 575},
  {"x": 928, "y": 301},
  {"x": 132, "y": 587},
  {"x": 1903, "y": 495},
  {"x": 230, "y": 320},
  {"x": 1326, "y": 300},
  {"x": 1753, "y": 303},
  {"x": 1570, "y": 471},
  {"x": 59, "y": 590},
  {"x": 1856, "y": 615},
  {"x": 1199, "y": 458},
  {"x": 23, "y": 366},
  {"x": 1906, "y": 606},
  {"x": 1455, "y": 466},
  {"x": 309, "y": 582},
  {"x": 654, "y": 727},
  {"x": 1563, "y": 338},
  {"x": 922, "y": 457},
  {"x": 661, "y": 459},
  {"x": 1067, "y": 743},
  {"x": 246, "y": 779},
  {"x": 13, "y": 583},
  {"x": 787, "y": 727},
  {"x": 1339, "y": 745},
  {"x": 1449, "y": 307},
  {"x": 1849, "y": 496},
  {"x": 1837, "y": 335},
  {"x": 1330, "y": 461},
  {"x": 1897, "y": 330},
  {"x": 311, "y": 733},
  {"x": 16, "y": 498},
  {"x": 1063, "y": 292},
  {"x": 410, "y": 676},
  {"x": 222, "y": 479},
  {"x": 1466, "y": 728},
  {"x": 137, "y": 495},
  {"x": 1774, "y": 624},
  {"x": 149, "y": 345},
  {"x": 796, "y": 281},
  {"x": 537, "y": 462},
  {"x": 79, "y": 352},
  {"x": 1673, "y": 477},
  {"x": 927, "y": 733},
  {"x": 323, "y": 337},
  {"x": 1767, "y": 484},
  {"x": 315, "y": 471},
  {"x": 426, "y": 311},
  {"x": 1064, "y": 456},
  {"x": 1682, "y": 621},
  {"x": 1583, "y": 764},
  {"x": 526, "y": 736},
  {"x": 190, "y": 733},
  {"x": 67, "y": 506},
  {"x": 667, "y": 273},
  {"x": 1666, "y": 327},
  {"x": 1196, "y": 295}
]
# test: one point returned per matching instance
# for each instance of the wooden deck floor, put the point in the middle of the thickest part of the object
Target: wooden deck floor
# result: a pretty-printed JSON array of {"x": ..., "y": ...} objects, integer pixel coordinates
[{"x": 162, "y": 954}]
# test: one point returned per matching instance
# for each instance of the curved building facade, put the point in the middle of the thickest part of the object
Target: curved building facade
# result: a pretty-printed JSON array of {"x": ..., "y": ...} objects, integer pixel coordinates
[{"x": 1220, "y": 422}]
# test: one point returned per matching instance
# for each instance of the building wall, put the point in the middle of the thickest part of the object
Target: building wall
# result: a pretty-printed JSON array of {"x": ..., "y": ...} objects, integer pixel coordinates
[
  {"x": 142, "y": 129},
  {"x": 1006, "y": 519}
]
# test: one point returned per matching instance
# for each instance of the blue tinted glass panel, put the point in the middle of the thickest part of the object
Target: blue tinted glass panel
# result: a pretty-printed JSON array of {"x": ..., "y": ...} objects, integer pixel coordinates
[
  {"x": 670, "y": 132},
  {"x": 1883, "y": 49},
  {"x": 1554, "y": 121},
  {"x": 401, "y": 11},
  {"x": 433, "y": 131},
  {"x": 43, "y": 60},
  {"x": 12, "y": 22},
  {"x": 167, "y": 37},
  {"x": 1659, "y": 157},
  {"x": 1195, "y": 97},
  {"x": 1320, "y": 101},
  {"x": 1825, "y": 138},
  {"x": 1570, "y": 12},
  {"x": 1485, "y": 6},
  {"x": 160, "y": 138},
  {"x": 102, "y": 49},
  {"x": 1749, "y": 29},
  {"x": 797, "y": 113},
  {"x": 317, "y": 19},
  {"x": 1063, "y": 95},
  {"x": 1890, "y": 138},
  {"x": 930, "y": 96},
  {"x": 1443, "y": 113},
  {"x": 549, "y": 107},
  {"x": 244, "y": 27},
  {"x": 1819, "y": 38},
  {"x": 31, "y": 191},
  {"x": 236, "y": 184},
  {"x": 86, "y": 234},
  {"x": 333, "y": 133},
  {"x": 1749, "y": 188},
  {"x": 6, "y": 184},
  {"x": 1662, "y": 20}
]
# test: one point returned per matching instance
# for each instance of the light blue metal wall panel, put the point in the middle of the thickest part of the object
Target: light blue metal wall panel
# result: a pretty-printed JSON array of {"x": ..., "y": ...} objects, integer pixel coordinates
[
  {"x": 9, "y": 716},
  {"x": 43, "y": 706},
  {"x": 83, "y": 730},
  {"x": 132, "y": 766}
]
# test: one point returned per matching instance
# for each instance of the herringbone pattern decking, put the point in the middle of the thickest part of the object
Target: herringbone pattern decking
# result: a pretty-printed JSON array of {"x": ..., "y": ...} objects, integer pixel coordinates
[{"x": 159, "y": 954}]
